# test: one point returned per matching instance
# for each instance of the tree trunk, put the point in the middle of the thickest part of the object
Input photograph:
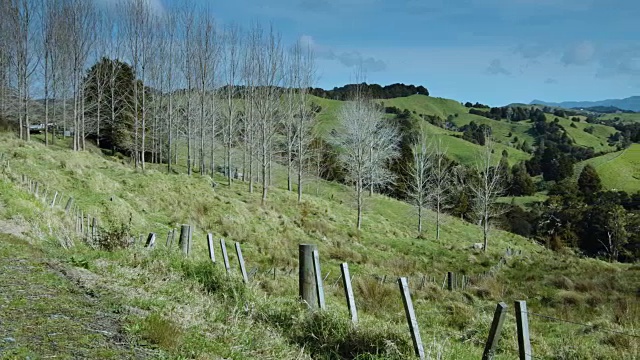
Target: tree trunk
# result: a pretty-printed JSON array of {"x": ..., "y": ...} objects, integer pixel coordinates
[
  {"x": 170, "y": 132},
  {"x": 485, "y": 233},
  {"x": 420, "y": 220},
  {"x": 438, "y": 220},
  {"x": 359, "y": 196}
]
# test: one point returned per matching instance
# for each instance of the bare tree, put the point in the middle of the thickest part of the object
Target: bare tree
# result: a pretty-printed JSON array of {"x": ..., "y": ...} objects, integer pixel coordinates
[
  {"x": 137, "y": 20},
  {"x": 419, "y": 176},
  {"x": 488, "y": 187},
  {"x": 231, "y": 72},
  {"x": 206, "y": 61},
  {"x": 440, "y": 181},
  {"x": 25, "y": 41},
  {"x": 265, "y": 70},
  {"x": 5, "y": 55},
  {"x": 167, "y": 62},
  {"x": 80, "y": 19},
  {"x": 298, "y": 117},
  {"x": 366, "y": 142},
  {"x": 188, "y": 29}
]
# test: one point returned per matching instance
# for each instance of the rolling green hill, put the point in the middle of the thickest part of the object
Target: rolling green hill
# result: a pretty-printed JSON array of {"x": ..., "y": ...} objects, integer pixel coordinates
[
  {"x": 625, "y": 117},
  {"x": 597, "y": 140},
  {"x": 190, "y": 308},
  {"x": 618, "y": 170}
]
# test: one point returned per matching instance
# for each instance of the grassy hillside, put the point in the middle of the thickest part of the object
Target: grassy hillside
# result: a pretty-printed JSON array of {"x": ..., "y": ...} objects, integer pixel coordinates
[
  {"x": 618, "y": 170},
  {"x": 635, "y": 117},
  {"x": 596, "y": 140},
  {"x": 460, "y": 150},
  {"x": 190, "y": 309}
]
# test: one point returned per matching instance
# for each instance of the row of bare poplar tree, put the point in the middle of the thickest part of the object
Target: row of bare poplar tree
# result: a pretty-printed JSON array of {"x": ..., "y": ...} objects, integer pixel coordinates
[
  {"x": 202, "y": 87},
  {"x": 195, "y": 84}
]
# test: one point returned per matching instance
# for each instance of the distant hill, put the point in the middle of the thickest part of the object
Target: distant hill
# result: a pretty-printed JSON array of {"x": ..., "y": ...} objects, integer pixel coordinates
[
  {"x": 631, "y": 103},
  {"x": 605, "y": 109}
]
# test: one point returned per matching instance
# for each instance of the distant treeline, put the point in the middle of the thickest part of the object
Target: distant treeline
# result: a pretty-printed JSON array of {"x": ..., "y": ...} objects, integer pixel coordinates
[
  {"x": 373, "y": 90},
  {"x": 605, "y": 110}
]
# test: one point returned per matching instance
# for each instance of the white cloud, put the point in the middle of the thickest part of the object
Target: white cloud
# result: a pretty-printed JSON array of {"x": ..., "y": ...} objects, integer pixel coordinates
[
  {"x": 579, "y": 54},
  {"x": 350, "y": 58},
  {"x": 496, "y": 68}
]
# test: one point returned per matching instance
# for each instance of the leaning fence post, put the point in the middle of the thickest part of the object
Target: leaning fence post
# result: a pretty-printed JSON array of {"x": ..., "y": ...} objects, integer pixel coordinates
[
  {"x": 185, "y": 238},
  {"x": 69, "y": 203},
  {"x": 411, "y": 317},
  {"x": 210, "y": 245},
  {"x": 53, "y": 202},
  {"x": 351, "y": 302},
  {"x": 522, "y": 323},
  {"x": 306, "y": 280},
  {"x": 241, "y": 261},
  {"x": 494, "y": 332},
  {"x": 223, "y": 246},
  {"x": 94, "y": 228},
  {"x": 318, "y": 276},
  {"x": 151, "y": 240},
  {"x": 168, "y": 238}
]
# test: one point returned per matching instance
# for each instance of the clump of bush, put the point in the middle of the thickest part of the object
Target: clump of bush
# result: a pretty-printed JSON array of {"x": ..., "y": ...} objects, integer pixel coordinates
[
  {"x": 214, "y": 280},
  {"x": 161, "y": 331},
  {"x": 331, "y": 335},
  {"x": 113, "y": 239}
]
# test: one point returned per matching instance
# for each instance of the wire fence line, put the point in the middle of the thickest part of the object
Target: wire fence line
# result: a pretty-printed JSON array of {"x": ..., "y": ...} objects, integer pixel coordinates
[
  {"x": 581, "y": 324},
  {"x": 74, "y": 211}
]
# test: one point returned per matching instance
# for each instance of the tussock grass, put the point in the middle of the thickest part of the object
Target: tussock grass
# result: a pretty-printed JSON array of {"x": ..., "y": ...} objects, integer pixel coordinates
[{"x": 217, "y": 316}]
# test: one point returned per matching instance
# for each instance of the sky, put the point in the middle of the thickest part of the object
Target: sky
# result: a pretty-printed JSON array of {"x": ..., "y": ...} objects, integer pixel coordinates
[{"x": 492, "y": 51}]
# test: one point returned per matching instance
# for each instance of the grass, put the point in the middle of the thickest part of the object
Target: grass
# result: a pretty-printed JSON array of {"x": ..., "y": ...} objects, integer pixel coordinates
[
  {"x": 45, "y": 315},
  {"x": 618, "y": 170},
  {"x": 625, "y": 117},
  {"x": 597, "y": 140},
  {"x": 214, "y": 315}
]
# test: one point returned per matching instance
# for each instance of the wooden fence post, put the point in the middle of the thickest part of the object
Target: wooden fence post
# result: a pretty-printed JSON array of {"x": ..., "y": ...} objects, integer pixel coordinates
[
  {"x": 69, "y": 203},
  {"x": 223, "y": 246},
  {"x": 348, "y": 290},
  {"x": 522, "y": 323},
  {"x": 53, "y": 202},
  {"x": 318, "y": 276},
  {"x": 94, "y": 228},
  {"x": 306, "y": 280},
  {"x": 494, "y": 332},
  {"x": 449, "y": 281},
  {"x": 168, "y": 238},
  {"x": 241, "y": 261},
  {"x": 190, "y": 238},
  {"x": 411, "y": 317},
  {"x": 185, "y": 238},
  {"x": 151, "y": 240},
  {"x": 210, "y": 245}
]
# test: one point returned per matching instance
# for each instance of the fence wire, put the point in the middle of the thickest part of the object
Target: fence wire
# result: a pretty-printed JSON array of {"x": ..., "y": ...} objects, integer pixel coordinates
[{"x": 581, "y": 324}]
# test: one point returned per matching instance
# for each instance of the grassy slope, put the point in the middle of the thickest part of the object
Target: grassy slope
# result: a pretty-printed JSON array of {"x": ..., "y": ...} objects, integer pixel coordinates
[
  {"x": 158, "y": 282},
  {"x": 618, "y": 170},
  {"x": 597, "y": 140},
  {"x": 635, "y": 117},
  {"x": 50, "y": 316},
  {"x": 460, "y": 150}
]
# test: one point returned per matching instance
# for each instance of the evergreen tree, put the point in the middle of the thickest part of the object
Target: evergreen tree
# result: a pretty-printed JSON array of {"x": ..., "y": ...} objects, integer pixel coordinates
[
  {"x": 589, "y": 182},
  {"x": 521, "y": 182}
]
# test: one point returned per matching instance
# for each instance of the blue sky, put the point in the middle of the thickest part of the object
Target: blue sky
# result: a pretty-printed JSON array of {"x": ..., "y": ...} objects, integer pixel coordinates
[{"x": 492, "y": 51}]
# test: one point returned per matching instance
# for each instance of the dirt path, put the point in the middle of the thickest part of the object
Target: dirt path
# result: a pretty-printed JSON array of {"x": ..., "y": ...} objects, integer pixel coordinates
[{"x": 45, "y": 315}]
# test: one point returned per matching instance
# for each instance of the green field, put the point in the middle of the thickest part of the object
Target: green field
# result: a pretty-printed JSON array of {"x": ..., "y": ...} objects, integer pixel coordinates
[
  {"x": 625, "y": 117},
  {"x": 597, "y": 140},
  {"x": 189, "y": 308},
  {"x": 619, "y": 170}
]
